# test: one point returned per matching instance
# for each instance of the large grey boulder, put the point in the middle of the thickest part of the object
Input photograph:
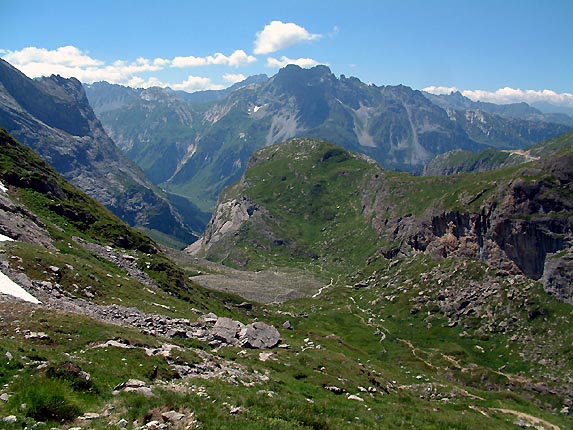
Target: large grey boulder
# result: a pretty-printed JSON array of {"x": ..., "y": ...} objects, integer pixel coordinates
[
  {"x": 227, "y": 330},
  {"x": 259, "y": 335}
]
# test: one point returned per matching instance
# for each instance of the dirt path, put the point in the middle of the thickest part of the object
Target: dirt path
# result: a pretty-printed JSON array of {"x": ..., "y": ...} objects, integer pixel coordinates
[
  {"x": 529, "y": 418},
  {"x": 521, "y": 152}
]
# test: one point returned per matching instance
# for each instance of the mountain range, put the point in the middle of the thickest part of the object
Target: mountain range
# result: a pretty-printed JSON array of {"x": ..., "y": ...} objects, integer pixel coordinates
[
  {"x": 457, "y": 101},
  {"x": 194, "y": 146},
  {"x": 328, "y": 290}
]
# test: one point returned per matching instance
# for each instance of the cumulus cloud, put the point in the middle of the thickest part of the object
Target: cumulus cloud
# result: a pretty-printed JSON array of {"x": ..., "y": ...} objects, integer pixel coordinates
[
  {"x": 69, "y": 61},
  {"x": 65, "y": 55},
  {"x": 233, "y": 78},
  {"x": 511, "y": 95},
  {"x": 278, "y": 35},
  {"x": 508, "y": 95},
  {"x": 237, "y": 58},
  {"x": 440, "y": 90},
  {"x": 283, "y": 61}
]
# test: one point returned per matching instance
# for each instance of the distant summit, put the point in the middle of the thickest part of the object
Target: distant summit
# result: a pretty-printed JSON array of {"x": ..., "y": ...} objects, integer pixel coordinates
[{"x": 196, "y": 144}]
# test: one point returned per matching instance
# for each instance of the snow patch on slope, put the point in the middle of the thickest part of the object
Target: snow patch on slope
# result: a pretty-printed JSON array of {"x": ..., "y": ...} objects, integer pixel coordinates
[{"x": 9, "y": 287}]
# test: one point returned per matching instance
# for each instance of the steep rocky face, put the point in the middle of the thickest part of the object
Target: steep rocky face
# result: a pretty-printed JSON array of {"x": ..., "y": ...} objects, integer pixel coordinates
[
  {"x": 53, "y": 117},
  {"x": 522, "y": 224}
]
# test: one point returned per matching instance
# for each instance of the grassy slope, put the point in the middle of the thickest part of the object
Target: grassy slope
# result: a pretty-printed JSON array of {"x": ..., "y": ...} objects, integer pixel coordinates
[
  {"x": 315, "y": 201},
  {"x": 466, "y": 161}
]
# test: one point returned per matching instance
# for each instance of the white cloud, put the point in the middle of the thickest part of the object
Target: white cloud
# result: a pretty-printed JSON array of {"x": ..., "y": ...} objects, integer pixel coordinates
[
  {"x": 278, "y": 35},
  {"x": 237, "y": 58},
  {"x": 65, "y": 55},
  {"x": 509, "y": 95},
  {"x": 192, "y": 83},
  {"x": 283, "y": 61},
  {"x": 196, "y": 83},
  {"x": 440, "y": 90},
  {"x": 69, "y": 61},
  {"x": 233, "y": 78}
]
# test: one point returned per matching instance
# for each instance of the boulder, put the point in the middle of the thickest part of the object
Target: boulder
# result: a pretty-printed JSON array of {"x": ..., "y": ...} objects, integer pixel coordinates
[
  {"x": 334, "y": 389},
  {"x": 227, "y": 330},
  {"x": 172, "y": 416},
  {"x": 259, "y": 336},
  {"x": 245, "y": 305},
  {"x": 208, "y": 318}
]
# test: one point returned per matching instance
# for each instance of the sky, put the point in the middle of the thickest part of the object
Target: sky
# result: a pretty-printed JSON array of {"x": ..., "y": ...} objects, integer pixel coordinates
[{"x": 501, "y": 51}]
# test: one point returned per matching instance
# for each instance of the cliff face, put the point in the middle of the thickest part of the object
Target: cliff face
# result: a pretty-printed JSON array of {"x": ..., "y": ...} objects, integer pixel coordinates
[
  {"x": 523, "y": 225},
  {"x": 53, "y": 117}
]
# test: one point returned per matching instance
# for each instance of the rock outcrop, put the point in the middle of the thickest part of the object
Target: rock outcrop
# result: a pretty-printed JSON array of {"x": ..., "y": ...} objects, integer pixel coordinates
[{"x": 525, "y": 226}]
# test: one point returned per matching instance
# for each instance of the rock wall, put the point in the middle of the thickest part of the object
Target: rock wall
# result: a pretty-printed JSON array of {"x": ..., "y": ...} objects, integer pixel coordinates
[{"x": 525, "y": 227}]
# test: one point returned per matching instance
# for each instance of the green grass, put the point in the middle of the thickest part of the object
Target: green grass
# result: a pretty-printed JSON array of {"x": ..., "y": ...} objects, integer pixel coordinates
[{"x": 350, "y": 355}]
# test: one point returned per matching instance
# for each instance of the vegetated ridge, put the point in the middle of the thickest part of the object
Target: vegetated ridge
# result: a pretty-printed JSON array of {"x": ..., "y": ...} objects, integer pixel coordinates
[
  {"x": 459, "y": 161},
  {"x": 308, "y": 200}
]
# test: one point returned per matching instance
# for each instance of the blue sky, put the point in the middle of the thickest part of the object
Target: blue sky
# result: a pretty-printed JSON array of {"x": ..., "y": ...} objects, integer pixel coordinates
[{"x": 503, "y": 51}]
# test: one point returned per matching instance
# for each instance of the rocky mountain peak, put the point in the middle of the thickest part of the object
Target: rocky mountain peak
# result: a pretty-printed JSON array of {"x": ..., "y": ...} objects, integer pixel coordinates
[{"x": 53, "y": 116}]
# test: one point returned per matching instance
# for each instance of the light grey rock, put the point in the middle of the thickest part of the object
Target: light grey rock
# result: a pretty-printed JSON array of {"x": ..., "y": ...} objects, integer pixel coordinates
[
  {"x": 10, "y": 419},
  {"x": 172, "y": 416},
  {"x": 39, "y": 335},
  {"x": 90, "y": 416},
  {"x": 259, "y": 335},
  {"x": 208, "y": 318},
  {"x": 355, "y": 397},
  {"x": 227, "y": 330},
  {"x": 145, "y": 391},
  {"x": 245, "y": 305},
  {"x": 334, "y": 389}
]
